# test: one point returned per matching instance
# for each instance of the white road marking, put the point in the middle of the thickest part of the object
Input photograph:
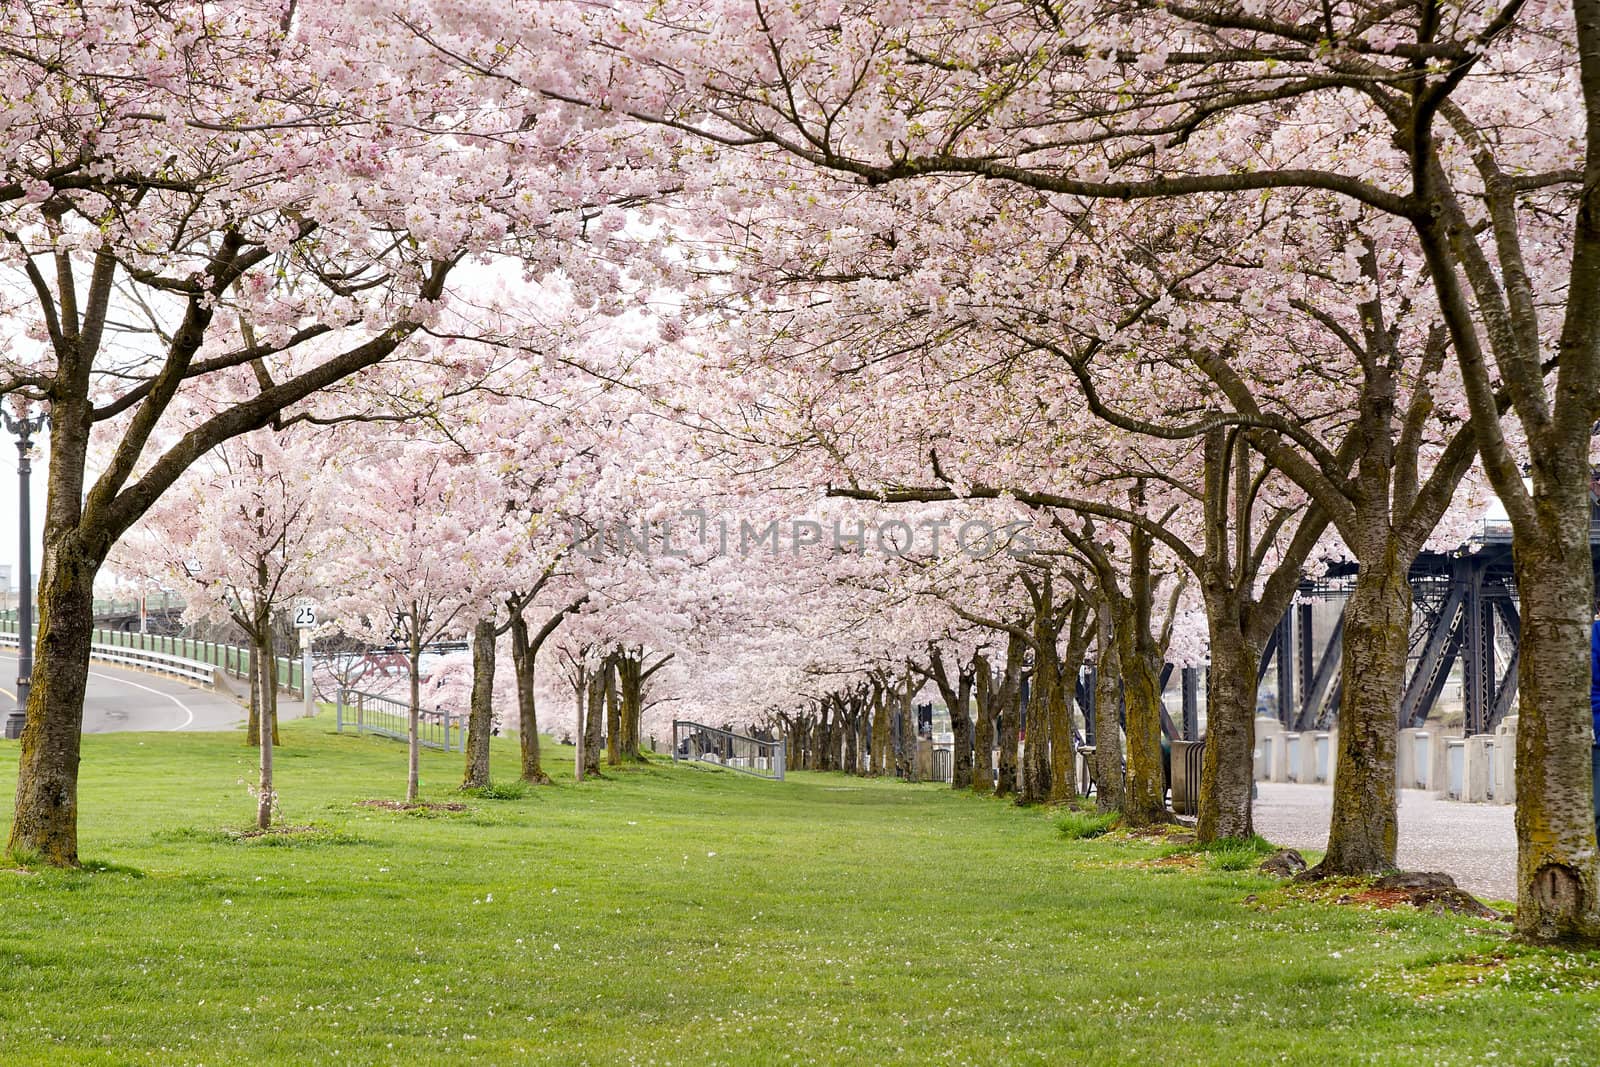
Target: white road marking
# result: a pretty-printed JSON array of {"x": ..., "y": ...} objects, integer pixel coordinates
[
  {"x": 187, "y": 711},
  {"x": 188, "y": 714}
]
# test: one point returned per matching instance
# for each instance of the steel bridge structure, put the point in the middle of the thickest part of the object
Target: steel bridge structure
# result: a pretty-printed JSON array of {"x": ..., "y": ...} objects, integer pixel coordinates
[{"x": 1464, "y": 611}]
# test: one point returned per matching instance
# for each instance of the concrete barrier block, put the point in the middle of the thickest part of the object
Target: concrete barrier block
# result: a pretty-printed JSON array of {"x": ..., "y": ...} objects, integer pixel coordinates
[
  {"x": 1414, "y": 759},
  {"x": 1405, "y": 761},
  {"x": 1439, "y": 762},
  {"x": 1294, "y": 757},
  {"x": 1280, "y": 757},
  {"x": 1475, "y": 769},
  {"x": 1266, "y": 730},
  {"x": 1454, "y": 773},
  {"x": 1505, "y": 758}
]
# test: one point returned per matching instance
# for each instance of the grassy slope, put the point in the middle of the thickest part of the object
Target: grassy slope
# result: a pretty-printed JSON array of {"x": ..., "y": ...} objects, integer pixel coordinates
[{"x": 688, "y": 916}]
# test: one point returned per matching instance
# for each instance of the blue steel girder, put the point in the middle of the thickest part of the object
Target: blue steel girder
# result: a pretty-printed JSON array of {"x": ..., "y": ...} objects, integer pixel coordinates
[
  {"x": 1511, "y": 626},
  {"x": 1316, "y": 709},
  {"x": 1286, "y": 668},
  {"x": 1304, "y": 665},
  {"x": 1438, "y": 655},
  {"x": 1268, "y": 650},
  {"x": 1477, "y": 664}
]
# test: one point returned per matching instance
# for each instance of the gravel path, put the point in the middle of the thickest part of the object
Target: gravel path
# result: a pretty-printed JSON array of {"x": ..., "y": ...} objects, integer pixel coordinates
[{"x": 1473, "y": 843}]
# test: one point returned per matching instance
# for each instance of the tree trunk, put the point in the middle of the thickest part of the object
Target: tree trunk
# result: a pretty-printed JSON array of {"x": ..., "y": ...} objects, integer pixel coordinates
[
  {"x": 592, "y": 720},
  {"x": 1005, "y": 782},
  {"x": 1229, "y": 769},
  {"x": 523, "y": 659},
  {"x": 907, "y": 717},
  {"x": 631, "y": 690},
  {"x": 1034, "y": 785},
  {"x": 1108, "y": 733},
  {"x": 1063, "y": 750},
  {"x": 613, "y": 715},
  {"x": 252, "y": 733},
  {"x": 1557, "y": 890},
  {"x": 961, "y": 732},
  {"x": 983, "y": 734},
  {"x": 414, "y": 712},
  {"x": 880, "y": 730},
  {"x": 1377, "y": 634},
  {"x": 266, "y": 793},
  {"x": 958, "y": 698},
  {"x": 851, "y": 753},
  {"x": 46, "y": 820},
  {"x": 1145, "y": 800},
  {"x": 864, "y": 736},
  {"x": 1009, "y": 709},
  {"x": 480, "y": 717}
]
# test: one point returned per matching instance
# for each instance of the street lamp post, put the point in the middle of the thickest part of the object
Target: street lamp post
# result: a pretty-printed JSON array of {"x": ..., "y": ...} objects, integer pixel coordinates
[{"x": 24, "y": 426}]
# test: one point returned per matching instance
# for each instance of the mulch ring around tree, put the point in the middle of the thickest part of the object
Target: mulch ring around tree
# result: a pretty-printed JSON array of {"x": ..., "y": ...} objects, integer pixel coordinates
[
  {"x": 1173, "y": 833},
  {"x": 272, "y": 831},
  {"x": 1425, "y": 890},
  {"x": 410, "y": 805}
]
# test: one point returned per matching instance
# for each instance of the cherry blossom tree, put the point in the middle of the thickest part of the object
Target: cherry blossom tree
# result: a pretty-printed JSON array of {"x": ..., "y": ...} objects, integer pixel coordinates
[
  {"x": 239, "y": 536},
  {"x": 420, "y": 556},
  {"x": 1474, "y": 129},
  {"x": 256, "y": 189}
]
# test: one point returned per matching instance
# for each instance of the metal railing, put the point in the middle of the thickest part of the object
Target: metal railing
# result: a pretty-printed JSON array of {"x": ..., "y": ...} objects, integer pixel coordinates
[
  {"x": 737, "y": 752},
  {"x": 159, "y": 662},
  {"x": 373, "y": 713},
  {"x": 232, "y": 660}
]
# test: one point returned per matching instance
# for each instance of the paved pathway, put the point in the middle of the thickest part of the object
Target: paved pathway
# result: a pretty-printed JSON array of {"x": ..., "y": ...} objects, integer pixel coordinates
[
  {"x": 121, "y": 699},
  {"x": 1474, "y": 843}
]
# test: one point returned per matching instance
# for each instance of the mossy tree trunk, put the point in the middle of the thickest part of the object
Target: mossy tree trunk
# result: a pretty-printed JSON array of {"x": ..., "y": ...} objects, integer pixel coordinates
[
  {"x": 523, "y": 666},
  {"x": 1556, "y": 874},
  {"x": 983, "y": 729},
  {"x": 613, "y": 711},
  {"x": 1242, "y": 607},
  {"x": 1063, "y": 750},
  {"x": 1007, "y": 709},
  {"x": 1364, "y": 830},
  {"x": 1034, "y": 785},
  {"x": 1108, "y": 730},
  {"x": 851, "y": 753},
  {"x": 480, "y": 716},
  {"x": 525, "y": 647},
  {"x": 1228, "y": 771},
  {"x": 593, "y": 720},
  {"x": 879, "y": 709},
  {"x": 958, "y": 698}
]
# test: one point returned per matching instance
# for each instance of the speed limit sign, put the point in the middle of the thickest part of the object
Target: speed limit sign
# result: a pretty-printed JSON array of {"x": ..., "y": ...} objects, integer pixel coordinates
[{"x": 305, "y": 616}]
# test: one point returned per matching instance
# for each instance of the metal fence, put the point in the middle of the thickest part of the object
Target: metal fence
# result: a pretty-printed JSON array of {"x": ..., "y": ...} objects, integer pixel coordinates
[
  {"x": 737, "y": 752},
  {"x": 159, "y": 662},
  {"x": 232, "y": 660},
  {"x": 373, "y": 713}
]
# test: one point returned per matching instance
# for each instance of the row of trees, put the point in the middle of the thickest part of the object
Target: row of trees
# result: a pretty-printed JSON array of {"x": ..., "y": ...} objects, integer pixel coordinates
[{"x": 1183, "y": 302}]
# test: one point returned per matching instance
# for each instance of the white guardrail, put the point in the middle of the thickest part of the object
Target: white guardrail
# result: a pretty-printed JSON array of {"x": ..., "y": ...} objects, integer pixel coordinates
[{"x": 159, "y": 662}]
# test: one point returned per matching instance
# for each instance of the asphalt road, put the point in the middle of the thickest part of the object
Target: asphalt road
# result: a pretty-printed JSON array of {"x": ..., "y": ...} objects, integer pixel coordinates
[{"x": 122, "y": 699}]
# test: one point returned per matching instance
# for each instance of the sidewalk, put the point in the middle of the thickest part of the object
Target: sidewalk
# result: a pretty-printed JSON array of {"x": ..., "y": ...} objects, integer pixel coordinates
[{"x": 1475, "y": 844}]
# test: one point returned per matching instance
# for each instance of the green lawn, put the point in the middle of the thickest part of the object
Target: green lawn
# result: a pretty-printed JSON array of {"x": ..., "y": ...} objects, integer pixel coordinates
[{"x": 694, "y": 916}]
